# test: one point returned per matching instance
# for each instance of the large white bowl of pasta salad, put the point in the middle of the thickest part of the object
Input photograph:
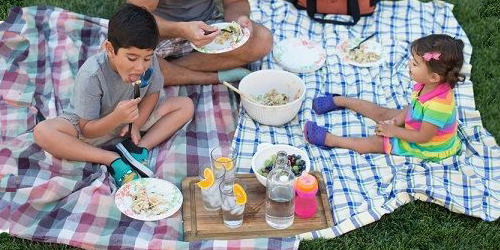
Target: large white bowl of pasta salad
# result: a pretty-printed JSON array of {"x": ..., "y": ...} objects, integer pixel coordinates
[{"x": 278, "y": 94}]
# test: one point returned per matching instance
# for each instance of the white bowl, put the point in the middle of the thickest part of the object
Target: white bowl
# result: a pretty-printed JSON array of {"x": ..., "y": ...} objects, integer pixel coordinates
[
  {"x": 263, "y": 81},
  {"x": 266, "y": 150}
]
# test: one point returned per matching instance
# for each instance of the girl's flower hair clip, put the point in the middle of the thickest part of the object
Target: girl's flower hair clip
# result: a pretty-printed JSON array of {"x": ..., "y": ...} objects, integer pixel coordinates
[{"x": 431, "y": 55}]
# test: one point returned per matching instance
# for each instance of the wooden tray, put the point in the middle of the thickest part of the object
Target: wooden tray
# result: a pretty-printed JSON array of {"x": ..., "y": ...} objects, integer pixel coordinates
[{"x": 200, "y": 224}]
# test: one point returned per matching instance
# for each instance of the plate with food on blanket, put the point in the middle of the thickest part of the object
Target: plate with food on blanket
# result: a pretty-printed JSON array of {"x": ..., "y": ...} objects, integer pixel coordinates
[
  {"x": 148, "y": 199},
  {"x": 369, "y": 53},
  {"x": 231, "y": 36}
]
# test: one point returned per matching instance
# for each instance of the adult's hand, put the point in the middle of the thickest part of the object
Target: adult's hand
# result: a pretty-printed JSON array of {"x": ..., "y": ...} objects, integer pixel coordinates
[
  {"x": 200, "y": 33},
  {"x": 245, "y": 22}
]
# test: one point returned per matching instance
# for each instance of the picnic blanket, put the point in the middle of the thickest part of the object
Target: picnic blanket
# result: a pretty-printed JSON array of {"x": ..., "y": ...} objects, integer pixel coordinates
[
  {"x": 362, "y": 188},
  {"x": 47, "y": 199}
]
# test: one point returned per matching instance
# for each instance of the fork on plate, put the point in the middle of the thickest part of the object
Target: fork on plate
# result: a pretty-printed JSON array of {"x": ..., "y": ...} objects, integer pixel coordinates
[{"x": 223, "y": 30}]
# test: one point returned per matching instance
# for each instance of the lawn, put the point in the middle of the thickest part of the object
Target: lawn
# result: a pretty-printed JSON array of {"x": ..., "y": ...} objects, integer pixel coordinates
[{"x": 417, "y": 225}]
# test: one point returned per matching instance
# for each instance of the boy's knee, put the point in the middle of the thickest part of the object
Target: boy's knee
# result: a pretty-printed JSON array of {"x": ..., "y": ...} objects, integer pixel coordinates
[
  {"x": 188, "y": 107},
  {"x": 40, "y": 131},
  {"x": 185, "y": 107}
]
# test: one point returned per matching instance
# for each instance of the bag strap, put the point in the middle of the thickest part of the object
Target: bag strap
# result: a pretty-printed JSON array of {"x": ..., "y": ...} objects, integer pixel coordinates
[{"x": 352, "y": 10}]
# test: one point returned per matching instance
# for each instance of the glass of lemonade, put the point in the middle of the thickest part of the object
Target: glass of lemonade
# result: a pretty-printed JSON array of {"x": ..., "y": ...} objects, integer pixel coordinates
[
  {"x": 211, "y": 195},
  {"x": 232, "y": 212},
  {"x": 224, "y": 156}
]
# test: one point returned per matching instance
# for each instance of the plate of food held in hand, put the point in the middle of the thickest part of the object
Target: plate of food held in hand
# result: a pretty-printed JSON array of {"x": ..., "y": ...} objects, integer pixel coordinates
[
  {"x": 148, "y": 199},
  {"x": 369, "y": 53},
  {"x": 231, "y": 36}
]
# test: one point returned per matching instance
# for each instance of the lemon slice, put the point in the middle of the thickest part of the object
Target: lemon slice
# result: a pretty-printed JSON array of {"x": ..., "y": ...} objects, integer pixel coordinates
[
  {"x": 224, "y": 162},
  {"x": 208, "y": 180},
  {"x": 239, "y": 194}
]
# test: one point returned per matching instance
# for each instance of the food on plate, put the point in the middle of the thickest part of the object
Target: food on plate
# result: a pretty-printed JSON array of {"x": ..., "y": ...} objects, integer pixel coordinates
[
  {"x": 272, "y": 98},
  {"x": 361, "y": 55},
  {"x": 295, "y": 161},
  {"x": 147, "y": 203},
  {"x": 231, "y": 33}
]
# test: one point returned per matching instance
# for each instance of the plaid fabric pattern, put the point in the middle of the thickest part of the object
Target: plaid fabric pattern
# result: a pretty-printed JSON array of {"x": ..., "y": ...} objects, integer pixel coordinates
[
  {"x": 362, "y": 188},
  {"x": 47, "y": 199}
]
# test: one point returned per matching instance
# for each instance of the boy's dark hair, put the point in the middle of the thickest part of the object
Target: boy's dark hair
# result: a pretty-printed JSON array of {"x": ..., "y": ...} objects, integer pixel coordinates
[
  {"x": 133, "y": 26},
  {"x": 451, "y": 59}
]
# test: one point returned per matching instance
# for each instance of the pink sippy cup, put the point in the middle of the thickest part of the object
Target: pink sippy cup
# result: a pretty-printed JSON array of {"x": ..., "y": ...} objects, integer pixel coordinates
[{"x": 305, "y": 202}]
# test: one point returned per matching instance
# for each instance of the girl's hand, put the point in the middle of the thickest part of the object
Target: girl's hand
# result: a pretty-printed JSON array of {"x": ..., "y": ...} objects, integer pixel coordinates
[
  {"x": 127, "y": 111},
  {"x": 200, "y": 33},
  {"x": 245, "y": 22},
  {"x": 391, "y": 121},
  {"x": 384, "y": 129},
  {"x": 134, "y": 134},
  {"x": 394, "y": 121}
]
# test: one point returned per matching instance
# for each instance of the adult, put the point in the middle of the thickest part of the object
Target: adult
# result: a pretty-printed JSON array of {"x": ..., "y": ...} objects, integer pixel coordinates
[{"x": 183, "y": 21}]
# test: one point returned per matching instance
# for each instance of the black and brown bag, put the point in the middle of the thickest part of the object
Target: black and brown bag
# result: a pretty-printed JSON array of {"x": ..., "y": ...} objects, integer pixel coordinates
[{"x": 354, "y": 8}]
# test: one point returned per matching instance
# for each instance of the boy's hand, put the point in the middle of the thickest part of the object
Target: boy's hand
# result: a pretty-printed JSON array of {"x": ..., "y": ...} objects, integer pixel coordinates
[
  {"x": 135, "y": 135},
  {"x": 126, "y": 111},
  {"x": 385, "y": 129}
]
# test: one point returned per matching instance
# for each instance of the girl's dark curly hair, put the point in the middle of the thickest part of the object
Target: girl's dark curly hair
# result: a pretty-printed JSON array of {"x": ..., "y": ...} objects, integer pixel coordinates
[{"x": 450, "y": 62}]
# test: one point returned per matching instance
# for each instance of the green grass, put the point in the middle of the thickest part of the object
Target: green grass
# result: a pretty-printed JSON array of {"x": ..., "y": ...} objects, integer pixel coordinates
[{"x": 416, "y": 225}]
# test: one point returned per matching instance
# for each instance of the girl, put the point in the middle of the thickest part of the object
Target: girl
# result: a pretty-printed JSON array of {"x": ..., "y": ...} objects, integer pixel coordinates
[{"x": 427, "y": 128}]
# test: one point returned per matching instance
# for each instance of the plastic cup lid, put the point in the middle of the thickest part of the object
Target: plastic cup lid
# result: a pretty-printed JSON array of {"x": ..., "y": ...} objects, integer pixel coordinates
[{"x": 307, "y": 183}]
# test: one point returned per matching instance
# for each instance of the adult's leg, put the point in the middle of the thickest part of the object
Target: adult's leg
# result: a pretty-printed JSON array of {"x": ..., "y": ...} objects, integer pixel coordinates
[
  {"x": 174, "y": 74},
  {"x": 58, "y": 137},
  {"x": 362, "y": 145},
  {"x": 369, "y": 109},
  {"x": 174, "y": 113}
]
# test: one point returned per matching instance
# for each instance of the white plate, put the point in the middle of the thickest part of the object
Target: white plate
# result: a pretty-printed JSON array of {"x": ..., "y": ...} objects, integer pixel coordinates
[
  {"x": 368, "y": 46},
  {"x": 299, "y": 55},
  {"x": 167, "y": 191},
  {"x": 214, "y": 47}
]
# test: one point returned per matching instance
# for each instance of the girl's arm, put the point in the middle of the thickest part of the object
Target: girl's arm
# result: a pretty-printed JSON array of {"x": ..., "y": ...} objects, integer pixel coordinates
[{"x": 425, "y": 134}]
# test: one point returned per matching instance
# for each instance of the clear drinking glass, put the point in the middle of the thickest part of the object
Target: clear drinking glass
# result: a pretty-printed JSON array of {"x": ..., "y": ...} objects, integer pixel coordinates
[
  {"x": 232, "y": 213},
  {"x": 211, "y": 196},
  {"x": 224, "y": 156}
]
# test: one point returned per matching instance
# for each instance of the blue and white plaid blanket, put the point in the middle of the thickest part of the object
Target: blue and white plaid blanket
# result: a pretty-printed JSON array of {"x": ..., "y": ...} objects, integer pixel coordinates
[{"x": 362, "y": 188}]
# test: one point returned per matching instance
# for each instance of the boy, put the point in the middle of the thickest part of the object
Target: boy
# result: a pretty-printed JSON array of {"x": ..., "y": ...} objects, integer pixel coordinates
[{"x": 102, "y": 104}]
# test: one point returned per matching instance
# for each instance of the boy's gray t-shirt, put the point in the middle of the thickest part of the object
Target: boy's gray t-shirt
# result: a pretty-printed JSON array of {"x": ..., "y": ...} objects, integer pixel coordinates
[{"x": 98, "y": 89}]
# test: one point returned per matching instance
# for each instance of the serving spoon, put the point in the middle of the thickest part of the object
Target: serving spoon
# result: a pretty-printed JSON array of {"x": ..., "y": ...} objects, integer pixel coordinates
[{"x": 246, "y": 96}]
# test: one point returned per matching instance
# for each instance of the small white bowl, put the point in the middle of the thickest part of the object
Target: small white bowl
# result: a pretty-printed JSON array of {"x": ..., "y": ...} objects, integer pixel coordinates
[
  {"x": 263, "y": 81},
  {"x": 266, "y": 150}
]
